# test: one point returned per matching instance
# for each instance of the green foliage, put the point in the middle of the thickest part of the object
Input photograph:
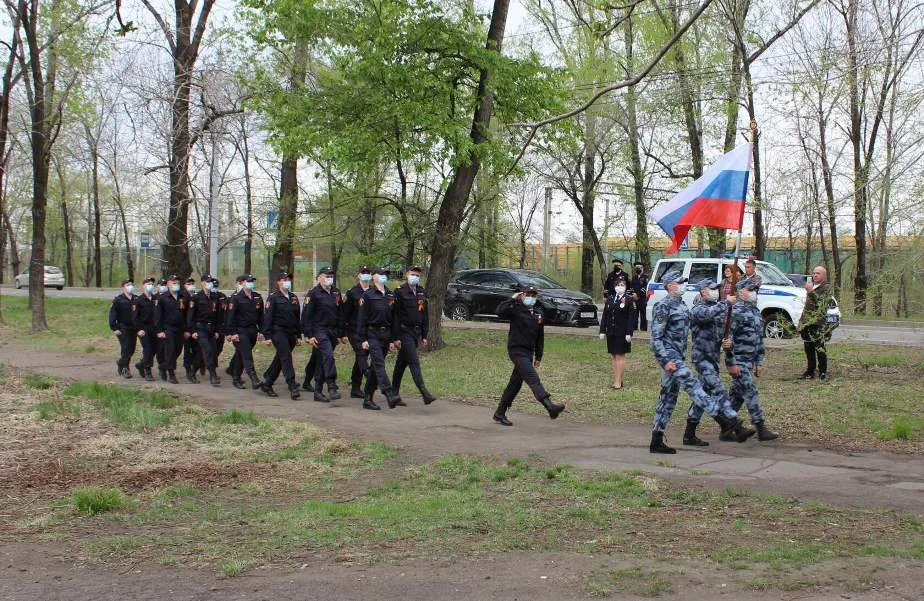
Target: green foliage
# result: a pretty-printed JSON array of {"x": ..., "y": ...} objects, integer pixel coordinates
[
  {"x": 51, "y": 409},
  {"x": 39, "y": 381},
  {"x": 98, "y": 499},
  {"x": 128, "y": 408},
  {"x": 236, "y": 416}
]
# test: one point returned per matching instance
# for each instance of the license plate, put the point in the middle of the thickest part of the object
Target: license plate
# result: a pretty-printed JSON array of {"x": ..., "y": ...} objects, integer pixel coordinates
[{"x": 588, "y": 314}]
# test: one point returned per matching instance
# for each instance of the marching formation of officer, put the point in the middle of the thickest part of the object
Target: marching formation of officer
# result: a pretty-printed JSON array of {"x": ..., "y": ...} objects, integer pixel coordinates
[{"x": 170, "y": 319}]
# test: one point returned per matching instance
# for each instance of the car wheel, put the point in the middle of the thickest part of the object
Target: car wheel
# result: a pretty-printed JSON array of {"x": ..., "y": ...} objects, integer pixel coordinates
[
  {"x": 18, "y": 284},
  {"x": 777, "y": 326},
  {"x": 459, "y": 313},
  {"x": 59, "y": 287}
]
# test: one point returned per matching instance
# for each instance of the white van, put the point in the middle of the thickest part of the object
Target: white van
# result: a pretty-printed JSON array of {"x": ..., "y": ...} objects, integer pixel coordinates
[{"x": 780, "y": 302}]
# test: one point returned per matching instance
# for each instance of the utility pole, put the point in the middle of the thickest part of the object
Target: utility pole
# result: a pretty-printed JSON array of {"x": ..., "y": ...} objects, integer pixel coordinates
[
  {"x": 546, "y": 230},
  {"x": 213, "y": 207}
]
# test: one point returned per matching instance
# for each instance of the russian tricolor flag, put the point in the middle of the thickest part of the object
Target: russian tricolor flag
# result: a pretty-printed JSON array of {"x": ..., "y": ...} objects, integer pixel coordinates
[{"x": 714, "y": 200}]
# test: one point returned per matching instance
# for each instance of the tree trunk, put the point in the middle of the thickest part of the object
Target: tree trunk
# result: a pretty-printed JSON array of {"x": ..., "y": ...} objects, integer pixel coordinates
[
  {"x": 642, "y": 245},
  {"x": 859, "y": 171},
  {"x": 283, "y": 255},
  {"x": 589, "y": 175},
  {"x": 65, "y": 218},
  {"x": 248, "y": 197},
  {"x": 129, "y": 262},
  {"x": 827, "y": 180},
  {"x": 760, "y": 236},
  {"x": 452, "y": 208},
  {"x": 88, "y": 266},
  {"x": 15, "y": 263},
  {"x": 97, "y": 217}
]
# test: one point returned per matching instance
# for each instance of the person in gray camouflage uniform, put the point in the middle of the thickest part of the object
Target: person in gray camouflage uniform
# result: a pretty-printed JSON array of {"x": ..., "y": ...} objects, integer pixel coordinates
[
  {"x": 707, "y": 327},
  {"x": 669, "y": 330},
  {"x": 744, "y": 352}
]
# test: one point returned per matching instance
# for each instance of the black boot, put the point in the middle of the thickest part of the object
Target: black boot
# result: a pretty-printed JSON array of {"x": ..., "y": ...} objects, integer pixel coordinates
[
  {"x": 393, "y": 399},
  {"x": 171, "y": 377},
  {"x": 427, "y": 397},
  {"x": 162, "y": 373},
  {"x": 148, "y": 376},
  {"x": 306, "y": 386},
  {"x": 333, "y": 393},
  {"x": 764, "y": 433},
  {"x": 319, "y": 395},
  {"x": 553, "y": 409},
  {"x": 214, "y": 380},
  {"x": 396, "y": 394},
  {"x": 191, "y": 376},
  {"x": 238, "y": 383},
  {"x": 657, "y": 444},
  {"x": 356, "y": 393},
  {"x": 294, "y": 394},
  {"x": 808, "y": 375},
  {"x": 140, "y": 369},
  {"x": 733, "y": 430},
  {"x": 500, "y": 416},
  {"x": 126, "y": 373},
  {"x": 255, "y": 382},
  {"x": 368, "y": 403},
  {"x": 690, "y": 438},
  {"x": 268, "y": 390}
]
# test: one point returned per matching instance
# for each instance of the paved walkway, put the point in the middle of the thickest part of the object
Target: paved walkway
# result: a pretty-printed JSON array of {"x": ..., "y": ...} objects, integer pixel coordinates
[{"x": 446, "y": 427}]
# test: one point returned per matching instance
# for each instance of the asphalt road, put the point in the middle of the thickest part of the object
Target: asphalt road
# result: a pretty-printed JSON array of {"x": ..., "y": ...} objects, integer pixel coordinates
[{"x": 895, "y": 333}]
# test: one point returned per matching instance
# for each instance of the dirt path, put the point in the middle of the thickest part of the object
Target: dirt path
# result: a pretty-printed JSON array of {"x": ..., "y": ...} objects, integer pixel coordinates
[{"x": 867, "y": 480}]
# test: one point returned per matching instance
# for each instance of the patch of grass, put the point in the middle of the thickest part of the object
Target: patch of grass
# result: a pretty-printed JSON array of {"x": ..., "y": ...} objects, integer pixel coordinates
[
  {"x": 233, "y": 567},
  {"x": 48, "y": 410},
  {"x": 39, "y": 381},
  {"x": 116, "y": 548},
  {"x": 94, "y": 500},
  {"x": 792, "y": 556},
  {"x": 129, "y": 408},
  {"x": 237, "y": 417},
  {"x": 175, "y": 491},
  {"x": 633, "y": 581},
  {"x": 902, "y": 428}
]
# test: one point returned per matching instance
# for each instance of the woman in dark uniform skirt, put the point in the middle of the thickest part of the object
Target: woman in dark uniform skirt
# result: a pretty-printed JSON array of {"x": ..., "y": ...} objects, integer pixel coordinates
[{"x": 616, "y": 326}]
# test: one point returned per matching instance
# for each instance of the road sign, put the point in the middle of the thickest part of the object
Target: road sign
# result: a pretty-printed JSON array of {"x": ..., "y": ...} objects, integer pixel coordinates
[
  {"x": 144, "y": 241},
  {"x": 685, "y": 245},
  {"x": 272, "y": 217}
]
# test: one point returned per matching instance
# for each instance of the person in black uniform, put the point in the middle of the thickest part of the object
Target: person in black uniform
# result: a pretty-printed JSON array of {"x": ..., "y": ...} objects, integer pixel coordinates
[
  {"x": 617, "y": 326},
  {"x": 639, "y": 286},
  {"x": 122, "y": 323},
  {"x": 525, "y": 343},
  {"x": 413, "y": 328},
  {"x": 144, "y": 324},
  {"x": 322, "y": 327},
  {"x": 377, "y": 327},
  {"x": 170, "y": 320},
  {"x": 616, "y": 274},
  {"x": 242, "y": 324},
  {"x": 350, "y": 308},
  {"x": 222, "y": 304},
  {"x": 281, "y": 326},
  {"x": 192, "y": 356},
  {"x": 202, "y": 322},
  {"x": 162, "y": 290}
]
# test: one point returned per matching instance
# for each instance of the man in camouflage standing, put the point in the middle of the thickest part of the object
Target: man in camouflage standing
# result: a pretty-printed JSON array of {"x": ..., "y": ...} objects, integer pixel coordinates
[
  {"x": 669, "y": 329},
  {"x": 707, "y": 327},
  {"x": 744, "y": 354}
]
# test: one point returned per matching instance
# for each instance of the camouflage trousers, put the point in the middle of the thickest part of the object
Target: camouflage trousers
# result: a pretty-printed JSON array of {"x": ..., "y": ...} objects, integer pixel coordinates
[
  {"x": 712, "y": 384},
  {"x": 671, "y": 383},
  {"x": 744, "y": 391}
]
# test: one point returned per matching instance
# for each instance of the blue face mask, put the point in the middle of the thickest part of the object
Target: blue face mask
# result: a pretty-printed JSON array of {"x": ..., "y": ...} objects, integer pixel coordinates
[
  {"x": 413, "y": 280},
  {"x": 149, "y": 288},
  {"x": 529, "y": 301},
  {"x": 175, "y": 288},
  {"x": 365, "y": 277},
  {"x": 129, "y": 289},
  {"x": 250, "y": 285},
  {"x": 383, "y": 279},
  {"x": 287, "y": 284},
  {"x": 163, "y": 290},
  {"x": 208, "y": 286}
]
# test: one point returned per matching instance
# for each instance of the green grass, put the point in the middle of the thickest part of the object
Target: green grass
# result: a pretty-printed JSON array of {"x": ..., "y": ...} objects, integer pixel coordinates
[
  {"x": 233, "y": 567},
  {"x": 48, "y": 410},
  {"x": 39, "y": 381},
  {"x": 129, "y": 408},
  {"x": 902, "y": 428},
  {"x": 94, "y": 500},
  {"x": 175, "y": 491},
  {"x": 236, "y": 416},
  {"x": 632, "y": 581}
]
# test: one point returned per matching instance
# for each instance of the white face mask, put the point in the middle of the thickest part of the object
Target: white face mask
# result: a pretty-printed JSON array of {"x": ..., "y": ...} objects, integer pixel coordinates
[
  {"x": 713, "y": 295},
  {"x": 413, "y": 280},
  {"x": 328, "y": 282},
  {"x": 529, "y": 301},
  {"x": 677, "y": 291},
  {"x": 129, "y": 289},
  {"x": 208, "y": 286},
  {"x": 149, "y": 288},
  {"x": 619, "y": 290},
  {"x": 287, "y": 284},
  {"x": 382, "y": 279},
  {"x": 190, "y": 288},
  {"x": 365, "y": 277}
]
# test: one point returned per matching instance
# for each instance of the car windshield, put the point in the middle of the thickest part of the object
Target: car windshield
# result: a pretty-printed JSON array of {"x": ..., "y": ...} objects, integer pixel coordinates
[
  {"x": 538, "y": 281},
  {"x": 769, "y": 274}
]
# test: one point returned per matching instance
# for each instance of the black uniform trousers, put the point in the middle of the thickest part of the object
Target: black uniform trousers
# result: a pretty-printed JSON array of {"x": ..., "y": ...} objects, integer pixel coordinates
[
  {"x": 172, "y": 346},
  {"x": 813, "y": 342},
  {"x": 360, "y": 362},
  {"x": 407, "y": 357},
  {"x": 642, "y": 316},
  {"x": 242, "y": 361},
  {"x": 208, "y": 344},
  {"x": 127, "y": 342},
  {"x": 149, "y": 347},
  {"x": 312, "y": 366},
  {"x": 376, "y": 375},
  {"x": 523, "y": 371},
  {"x": 283, "y": 342},
  {"x": 327, "y": 370},
  {"x": 192, "y": 357}
]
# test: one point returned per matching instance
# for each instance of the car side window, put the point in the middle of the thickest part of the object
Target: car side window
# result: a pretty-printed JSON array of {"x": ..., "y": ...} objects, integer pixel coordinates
[
  {"x": 498, "y": 280},
  {"x": 666, "y": 266},
  {"x": 701, "y": 271},
  {"x": 473, "y": 279}
]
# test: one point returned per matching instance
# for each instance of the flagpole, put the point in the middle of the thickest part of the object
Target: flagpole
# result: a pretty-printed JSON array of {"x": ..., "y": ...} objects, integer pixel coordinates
[{"x": 734, "y": 281}]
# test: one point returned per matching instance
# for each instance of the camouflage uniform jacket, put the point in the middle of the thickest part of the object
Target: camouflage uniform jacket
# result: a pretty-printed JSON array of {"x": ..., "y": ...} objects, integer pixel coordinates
[
  {"x": 708, "y": 326},
  {"x": 747, "y": 334},
  {"x": 669, "y": 329}
]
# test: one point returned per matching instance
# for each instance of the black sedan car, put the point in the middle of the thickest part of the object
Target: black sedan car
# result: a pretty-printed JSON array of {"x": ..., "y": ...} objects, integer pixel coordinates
[{"x": 476, "y": 293}]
